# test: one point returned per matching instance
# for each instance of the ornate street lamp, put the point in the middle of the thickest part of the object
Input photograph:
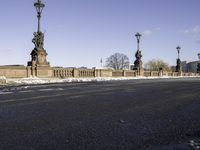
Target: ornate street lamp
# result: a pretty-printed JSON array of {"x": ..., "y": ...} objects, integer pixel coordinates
[
  {"x": 138, "y": 55},
  {"x": 138, "y": 36},
  {"x": 39, "y": 7},
  {"x": 178, "y": 62},
  {"x": 178, "y": 51},
  {"x": 38, "y": 54},
  {"x": 38, "y": 39}
]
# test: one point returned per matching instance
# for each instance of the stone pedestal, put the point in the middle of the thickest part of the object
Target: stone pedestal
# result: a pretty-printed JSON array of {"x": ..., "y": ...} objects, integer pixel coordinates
[
  {"x": 38, "y": 66},
  {"x": 41, "y": 58}
]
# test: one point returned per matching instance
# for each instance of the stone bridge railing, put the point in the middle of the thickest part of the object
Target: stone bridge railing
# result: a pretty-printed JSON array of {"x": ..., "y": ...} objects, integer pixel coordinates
[
  {"x": 59, "y": 72},
  {"x": 69, "y": 73},
  {"x": 84, "y": 73}
]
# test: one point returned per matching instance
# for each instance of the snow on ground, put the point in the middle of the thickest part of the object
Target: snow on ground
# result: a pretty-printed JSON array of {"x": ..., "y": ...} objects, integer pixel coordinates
[
  {"x": 35, "y": 80},
  {"x": 2, "y": 77}
]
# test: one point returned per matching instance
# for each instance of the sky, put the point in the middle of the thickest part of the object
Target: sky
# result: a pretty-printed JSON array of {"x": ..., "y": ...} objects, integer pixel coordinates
[{"x": 81, "y": 32}]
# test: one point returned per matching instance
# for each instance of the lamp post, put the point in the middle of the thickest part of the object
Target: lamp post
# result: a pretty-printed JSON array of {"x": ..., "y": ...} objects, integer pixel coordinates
[
  {"x": 38, "y": 54},
  {"x": 198, "y": 64},
  {"x": 178, "y": 62},
  {"x": 178, "y": 51},
  {"x": 138, "y": 55},
  {"x": 138, "y": 36},
  {"x": 39, "y": 7}
]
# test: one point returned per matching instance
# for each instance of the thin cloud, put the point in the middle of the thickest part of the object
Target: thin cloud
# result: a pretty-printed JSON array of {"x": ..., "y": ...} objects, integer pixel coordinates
[
  {"x": 149, "y": 32},
  {"x": 194, "y": 30}
]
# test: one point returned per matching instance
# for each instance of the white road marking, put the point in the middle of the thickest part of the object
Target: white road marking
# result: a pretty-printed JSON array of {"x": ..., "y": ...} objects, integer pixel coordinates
[
  {"x": 43, "y": 90},
  {"x": 60, "y": 89},
  {"x": 51, "y": 89},
  {"x": 28, "y": 91},
  {"x": 4, "y": 93},
  {"x": 85, "y": 93}
]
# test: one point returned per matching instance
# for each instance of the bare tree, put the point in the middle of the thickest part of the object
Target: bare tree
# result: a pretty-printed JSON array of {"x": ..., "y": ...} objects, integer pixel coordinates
[
  {"x": 156, "y": 64},
  {"x": 117, "y": 61}
]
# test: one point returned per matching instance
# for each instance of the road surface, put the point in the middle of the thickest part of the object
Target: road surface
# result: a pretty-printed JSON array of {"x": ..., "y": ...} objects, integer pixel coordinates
[{"x": 157, "y": 114}]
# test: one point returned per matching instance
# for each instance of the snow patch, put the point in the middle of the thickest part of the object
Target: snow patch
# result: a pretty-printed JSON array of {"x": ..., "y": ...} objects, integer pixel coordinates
[
  {"x": 2, "y": 77},
  {"x": 35, "y": 80}
]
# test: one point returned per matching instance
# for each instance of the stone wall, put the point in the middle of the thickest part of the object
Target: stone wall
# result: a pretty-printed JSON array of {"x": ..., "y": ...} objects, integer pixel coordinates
[
  {"x": 13, "y": 71},
  {"x": 81, "y": 73},
  {"x": 44, "y": 72},
  {"x": 55, "y": 72}
]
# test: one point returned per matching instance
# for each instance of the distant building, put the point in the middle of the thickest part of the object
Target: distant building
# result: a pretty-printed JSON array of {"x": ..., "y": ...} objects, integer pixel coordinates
[
  {"x": 184, "y": 66},
  {"x": 192, "y": 66},
  {"x": 187, "y": 67}
]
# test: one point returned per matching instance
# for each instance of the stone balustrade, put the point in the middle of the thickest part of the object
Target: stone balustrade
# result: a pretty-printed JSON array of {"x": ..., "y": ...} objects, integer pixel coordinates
[
  {"x": 59, "y": 72},
  {"x": 86, "y": 73},
  {"x": 63, "y": 73}
]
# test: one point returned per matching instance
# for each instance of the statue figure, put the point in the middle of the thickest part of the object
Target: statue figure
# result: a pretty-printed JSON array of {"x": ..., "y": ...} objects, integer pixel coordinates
[
  {"x": 138, "y": 55},
  {"x": 178, "y": 66},
  {"x": 34, "y": 40},
  {"x": 38, "y": 40},
  {"x": 138, "y": 61},
  {"x": 41, "y": 40}
]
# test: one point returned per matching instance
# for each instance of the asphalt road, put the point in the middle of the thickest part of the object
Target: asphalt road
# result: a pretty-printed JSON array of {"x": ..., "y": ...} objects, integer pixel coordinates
[{"x": 120, "y": 115}]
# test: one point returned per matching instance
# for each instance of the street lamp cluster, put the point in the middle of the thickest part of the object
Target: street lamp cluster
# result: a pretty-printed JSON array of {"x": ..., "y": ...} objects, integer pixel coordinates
[
  {"x": 39, "y": 54},
  {"x": 138, "y": 55}
]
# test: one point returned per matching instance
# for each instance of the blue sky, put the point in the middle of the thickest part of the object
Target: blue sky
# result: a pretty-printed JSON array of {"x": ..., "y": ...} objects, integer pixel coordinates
[{"x": 81, "y": 32}]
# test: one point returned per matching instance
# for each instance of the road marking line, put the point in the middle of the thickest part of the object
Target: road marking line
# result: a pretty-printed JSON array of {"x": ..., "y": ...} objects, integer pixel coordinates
[
  {"x": 28, "y": 91},
  {"x": 53, "y": 89},
  {"x": 4, "y": 93},
  {"x": 43, "y": 90},
  {"x": 52, "y": 96}
]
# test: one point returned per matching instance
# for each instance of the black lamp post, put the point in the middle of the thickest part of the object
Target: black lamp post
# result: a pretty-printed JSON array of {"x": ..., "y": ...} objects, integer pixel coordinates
[
  {"x": 138, "y": 36},
  {"x": 38, "y": 54},
  {"x": 198, "y": 64},
  {"x": 38, "y": 39},
  {"x": 178, "y": 51},
  {"x": 138, "y": 55},
  {"x": 39, "y": 7},
  {"x": 178, "y": 62}
]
